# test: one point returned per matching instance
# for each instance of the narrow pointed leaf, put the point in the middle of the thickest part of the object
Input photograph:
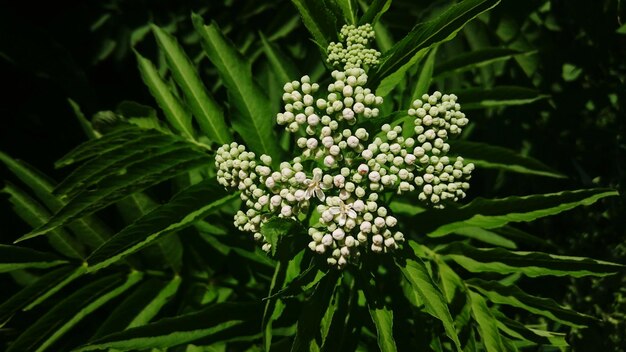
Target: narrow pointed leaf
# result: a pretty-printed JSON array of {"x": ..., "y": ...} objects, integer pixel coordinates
[
  {"x": 205, "y": 109},
  {"x": 427, "y": 34},
  {"x": 485, "y": 236},
  {"x": 113, "y": 140},
  {"x": 479, "y": 98},
  {"x": 85, "y": 124},
  {"x": 533, "y": 264},
  {"x": 376, "y": 9},
  {"x": 70, "y": 311},
  {"x": 487, "y": 324},
  {"x": 89, "y": 230},
  {"x": 35, "y": 215},
  {"x": 44, "y": 287},
  {"x": 153, "y": 169},
  {"x": 321, "y": 18},
  {"x": 181, "y": 211},
  {"x": 517, "y": 330},
  {"x": 494, "y": 213},
  {"x": 254, "y": 119},
  {"x": 15, "y": 258},
  {"x": 348, "y": 8},
  {"x": 210, "y": 321},
  {"x": 173, "y": 110},
  {"x": 283, "y": 67},
  {"x": 513, "y": 296},
  {"x": 494, "y": 157},
  {"x": 473, "y": 59},
  {"x": 425, "y": 76},
  {"x": 139, "y": 307},
  {"x": 417, "y": 275},
  {"x": 312, "y": 313},
  {"x": 382, "y": 316},
  {"x": 110, "y": 163}
]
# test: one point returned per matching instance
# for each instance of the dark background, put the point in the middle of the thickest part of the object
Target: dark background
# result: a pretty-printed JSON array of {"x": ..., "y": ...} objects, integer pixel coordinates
[{"x": 52, "y": 51}]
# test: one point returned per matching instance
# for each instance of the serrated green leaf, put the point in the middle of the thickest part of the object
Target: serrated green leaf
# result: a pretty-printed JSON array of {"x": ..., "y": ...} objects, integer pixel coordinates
[
  {"x": 114, "y": 140},
  {"x": 173, "y": 110},
  {"x": 181, "y": 211},
  {"x": 210, "y": 321},
  {"x": 348, "y": 8},
  {"x": 376, "y": 9},
  {"x": 480, "y": 98},
  {"x": 89, "y": 230},
  {"x": 494, "y": 157},
  {"x": 427, "y": 34},
  {"x": 485, "y": 236},
  {"x": 321, "y": 18},
  {"x": 532, "y": 264},
  {"x": 513, "y": 296},
  {"x": 382, "y": 316},
  {"x": 495, "y": 213},
  {"x": 85, "y": 124},
  {"x": 255, "y": 118},
  {"x": 429, "y": 293},
  {"x": 283, "y": 67},
  {"x": 110, "y": 163},
  {"x": 205, "y": 109},
  {"x": 30, "y": 296},
  {"x": 312, "y": 313},
  {"x": 487, "y": 324},
  {"x": 139, "y": 307},
  {"x": 474, "y": 59},
  {"x": 70, "y": 311},
  {"x": 157, "y": 167},
  {"x": 517, "y": 330},
  {"x": 16, "y": 258},
  {"x": 425, "y": 76},
  {"x": 35, "y": 215}
]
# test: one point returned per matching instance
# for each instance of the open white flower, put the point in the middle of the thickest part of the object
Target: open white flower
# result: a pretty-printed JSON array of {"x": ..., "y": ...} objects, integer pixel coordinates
[
  {"x": 315, "y": 186},
  {"x": 342, "y": 212}
]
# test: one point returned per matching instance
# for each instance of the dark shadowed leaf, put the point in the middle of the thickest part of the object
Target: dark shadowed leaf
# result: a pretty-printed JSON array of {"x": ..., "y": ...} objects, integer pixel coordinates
[
  {"x": 44, "y": 287},
  {"x": 495, "y": 157},
  {"x": 189, "y": 205},
  {"x": 494, "y": 213},
  {"x": 70, "y": 311},
  {"x": 513, "y": 296},
  {"x": 533, "y": 264},
  {"x": 479, "y": 98},
  {"x": 427, "y": 34},
  {"x": 473, "y": 59},
  {"x": 168, "y": 332},
  {"x": 15, "y": 258}
]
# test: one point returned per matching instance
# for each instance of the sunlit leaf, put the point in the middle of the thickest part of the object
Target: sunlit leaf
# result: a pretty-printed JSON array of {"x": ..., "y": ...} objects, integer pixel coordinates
[
  {"x": 254, "y": 119},
  {"x": 205, "y": 109}
]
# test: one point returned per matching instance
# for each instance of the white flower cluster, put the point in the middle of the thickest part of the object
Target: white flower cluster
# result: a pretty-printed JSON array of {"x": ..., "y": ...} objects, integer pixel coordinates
[
  {"x": 336, "y": 182},
  {"x": 352, "y": 49}
]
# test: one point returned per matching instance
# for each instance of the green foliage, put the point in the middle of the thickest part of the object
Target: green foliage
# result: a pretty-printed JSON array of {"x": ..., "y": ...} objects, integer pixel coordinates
[{"x": 176, "y": 275}]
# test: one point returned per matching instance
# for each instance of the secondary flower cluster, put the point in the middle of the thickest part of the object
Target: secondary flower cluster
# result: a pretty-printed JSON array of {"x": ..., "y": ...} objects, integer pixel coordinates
[
  {"x": 352, "y": 49},
  {"x": 339, "y": 179}
]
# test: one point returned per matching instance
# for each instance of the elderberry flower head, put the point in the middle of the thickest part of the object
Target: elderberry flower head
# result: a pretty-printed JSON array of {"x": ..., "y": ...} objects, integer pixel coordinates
[
  {"x": 352, "y": 49},
  {"x": 341, "y": 170}
]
